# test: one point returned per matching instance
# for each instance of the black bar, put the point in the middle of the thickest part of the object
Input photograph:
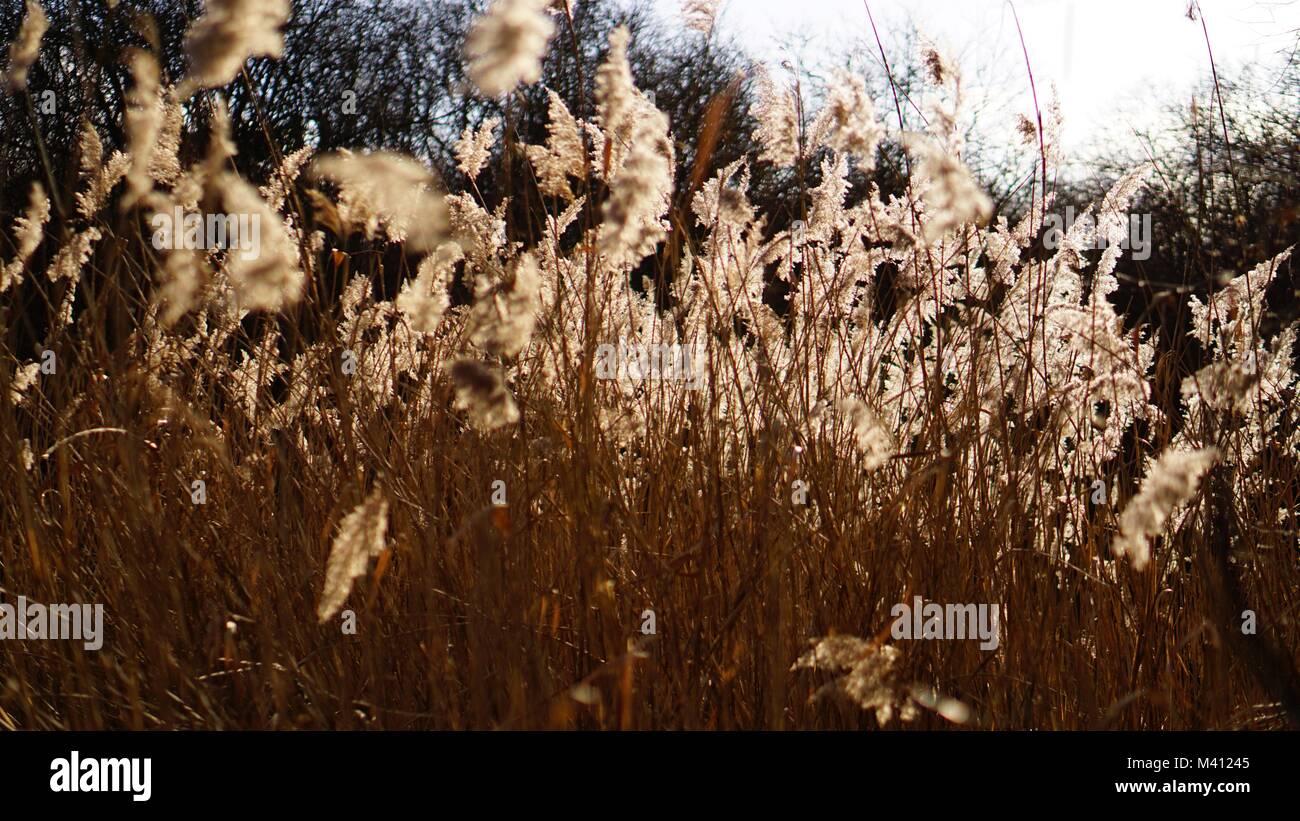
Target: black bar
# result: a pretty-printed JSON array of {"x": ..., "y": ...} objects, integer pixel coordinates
[{"x": 337, "y": 771}]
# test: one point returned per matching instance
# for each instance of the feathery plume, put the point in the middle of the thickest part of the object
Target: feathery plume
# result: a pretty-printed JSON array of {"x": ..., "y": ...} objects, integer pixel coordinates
[
  {"x": 951, "y": 195},
  {"x": 424, "y": 300},
  {"x": 481, "y": 392},
  {"x": 641, "y": 188},
  {"x": 872, "y": 439},
  {"x": 616, "y": 94},
  {"x": 1171, "y": 481},
  {"x": 70, "y": 259},
  {"x": 563, "y": 156},
  {"x": 778, "y": 122},
  {"x": 506, "y": 45},
  {"x": 144, "y": 122},
  {"x": 870, "y": 677},
  {"x": 26, "y": 46},
  {"x": 221, "y": 147},
  {"x": 281, "y": 183},
  {"x": 268, "y": 278},
  {"x": 474, "y": 148},
  {"x": 90, "y": 151},
  {"x": 29, "y": 230},
  {"x": 98, "y": 176},
  {"x": 640, "y": 193},
  {"x": 63, "y": 316},
  {"x": 940, "y": 67},
  {"x": 942, "y": 105},
  {"x": 24, "y": 378},
  {"x": 1237, "y": 308},
  {"x": 228, "y": 33},
  {"x": 360, "y": 538},
  {"x": 165, "y": 162},
  {"x": 182, "y": 278},
  {"x": 504, "y": 317},
  {"x": 700, "y": 15},
  {"x": 850, "y": 117},
  {"x": 389, "y": 187}
]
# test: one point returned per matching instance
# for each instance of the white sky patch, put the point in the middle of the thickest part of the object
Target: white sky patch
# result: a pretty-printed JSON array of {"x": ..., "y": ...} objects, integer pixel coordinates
[{"x": 1114, "y": 63}]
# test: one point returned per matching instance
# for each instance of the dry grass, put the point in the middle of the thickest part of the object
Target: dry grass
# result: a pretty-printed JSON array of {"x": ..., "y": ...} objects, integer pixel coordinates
[{"x": 623, "y": 498}]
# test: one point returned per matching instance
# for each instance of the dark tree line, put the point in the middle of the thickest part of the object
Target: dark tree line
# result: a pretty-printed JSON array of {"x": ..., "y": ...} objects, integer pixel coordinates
[
  {"x": 355, "y": 74},
  {"x": 390, "y": 74}
]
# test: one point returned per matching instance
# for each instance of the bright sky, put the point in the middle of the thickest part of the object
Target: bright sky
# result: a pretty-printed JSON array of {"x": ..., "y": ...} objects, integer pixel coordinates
[{"x": 1112, "y": 61}]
